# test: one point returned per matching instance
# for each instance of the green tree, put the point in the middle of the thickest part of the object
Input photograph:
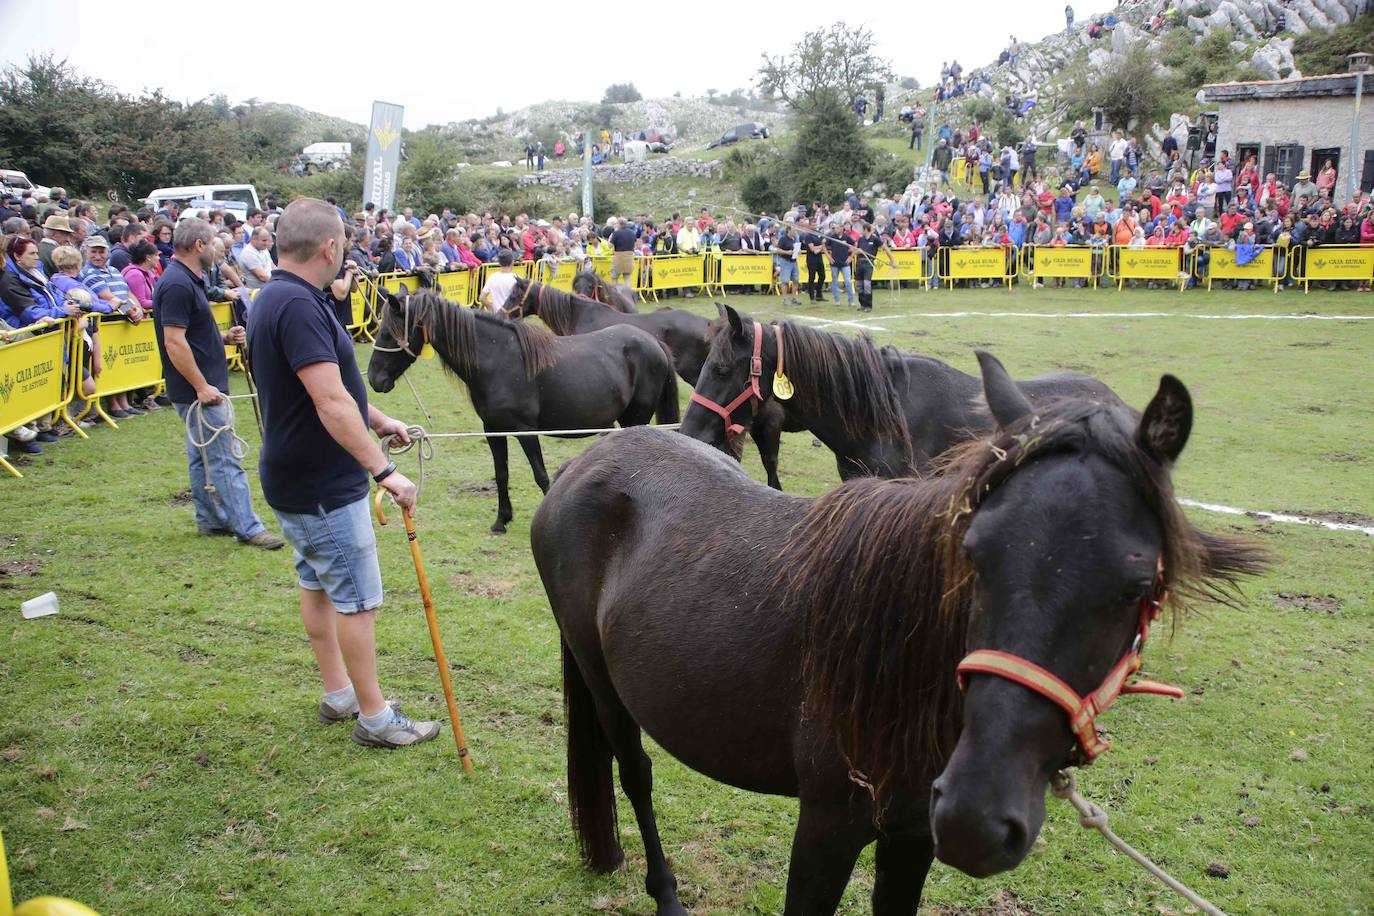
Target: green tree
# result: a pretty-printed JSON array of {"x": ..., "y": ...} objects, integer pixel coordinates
[
  {"x": 429, "y": 178},
  {"x": 1130, "y": 89},
  {"x": 830, "y": 153},
  {"x": 839, "y": 62},
  {"x": 618, "y": 93}
]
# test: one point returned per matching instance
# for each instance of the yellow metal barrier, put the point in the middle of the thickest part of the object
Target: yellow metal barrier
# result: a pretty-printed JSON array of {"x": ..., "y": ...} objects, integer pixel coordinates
[
  {"x": 130, "y": 356},
  {"x": 559, "y": 276},
  {"x": 1331, "y": 262},
  {"x": 737, "y": 268},
  {"x": 457, "y": 285},
  {"x": 1221, "y": 265},
  {"x": 1058, "y": 262},
  {"x": 362, "y": 324},
  {"x": 1169, "y": 264},
  {"x": 910, "y": 266},
  {"x": 31, "y": 376},
  {"x": 673, "y": 271},
  {"x": 977, "y": 264}
]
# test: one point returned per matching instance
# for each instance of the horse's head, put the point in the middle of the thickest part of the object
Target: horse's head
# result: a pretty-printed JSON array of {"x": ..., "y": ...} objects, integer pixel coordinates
[
  {"x": 1073, "y": 537},
  {"x": 523, "y": 301},
  {"x": 400, "y": 338},
  {"x": 585, "y": 284},
  {"x": 732, "y": 383}
]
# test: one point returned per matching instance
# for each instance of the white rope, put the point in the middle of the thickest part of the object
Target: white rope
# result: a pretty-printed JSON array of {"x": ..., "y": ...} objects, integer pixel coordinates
[
  {"x": 1057, "y": 315},
  {"x": 238, "y": 447},
  {"x": 1092, "y": 817},
  {"x": 425, "y": 441},
  {"x": 1281, "y": 517}
]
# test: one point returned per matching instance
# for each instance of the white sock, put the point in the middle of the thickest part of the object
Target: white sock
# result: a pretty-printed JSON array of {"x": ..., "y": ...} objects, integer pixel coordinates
[
  {"x": 377, "y": 722},
  {"x": 341, "y": 697}
]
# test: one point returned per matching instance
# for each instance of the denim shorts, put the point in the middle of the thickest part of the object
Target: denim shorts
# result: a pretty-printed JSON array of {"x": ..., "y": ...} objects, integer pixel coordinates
[
  {"x": 787, "y": 271},
  {"x": 336, "y": 552}
]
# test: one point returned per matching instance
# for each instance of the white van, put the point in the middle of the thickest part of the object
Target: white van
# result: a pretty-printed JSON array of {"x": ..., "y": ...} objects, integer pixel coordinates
[
  {"x": 243, "y": 194},
  {"x": 16, "y": 182}
]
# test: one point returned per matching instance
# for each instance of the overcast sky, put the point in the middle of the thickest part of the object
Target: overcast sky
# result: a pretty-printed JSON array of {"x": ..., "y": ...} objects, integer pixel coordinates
[{"x": 446, "y": 62}]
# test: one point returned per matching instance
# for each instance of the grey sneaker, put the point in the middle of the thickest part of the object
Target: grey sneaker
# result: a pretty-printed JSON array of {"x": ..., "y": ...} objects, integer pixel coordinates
[
  {"x": 399, "y": 732},
  {"x": 330, "y": 714},
  {"x": 266, "y": 540}
]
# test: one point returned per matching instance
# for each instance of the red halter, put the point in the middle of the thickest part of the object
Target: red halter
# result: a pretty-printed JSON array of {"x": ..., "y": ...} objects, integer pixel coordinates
[
  {"x": 750, "y": 393},
  {"x": 1082, "y": 711}
]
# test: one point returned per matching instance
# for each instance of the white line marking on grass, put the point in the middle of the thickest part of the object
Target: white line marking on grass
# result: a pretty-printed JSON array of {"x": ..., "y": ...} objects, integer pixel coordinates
[
  {"x": 1279, "y": 517},
  {"x": 835, "y": 322},
  {"x": 1193, "y": 315}
]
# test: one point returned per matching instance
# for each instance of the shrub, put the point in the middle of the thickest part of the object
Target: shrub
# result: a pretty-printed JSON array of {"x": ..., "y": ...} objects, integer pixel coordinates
[{"x": 760, "y": 194}]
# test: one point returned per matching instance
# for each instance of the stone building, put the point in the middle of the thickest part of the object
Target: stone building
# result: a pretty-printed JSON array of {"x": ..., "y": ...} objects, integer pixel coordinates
[{"x": 1297, "y": 124}]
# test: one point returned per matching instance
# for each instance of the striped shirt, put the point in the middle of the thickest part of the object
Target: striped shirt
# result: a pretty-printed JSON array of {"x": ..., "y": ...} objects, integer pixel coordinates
[{"x": 99, "y": 280}]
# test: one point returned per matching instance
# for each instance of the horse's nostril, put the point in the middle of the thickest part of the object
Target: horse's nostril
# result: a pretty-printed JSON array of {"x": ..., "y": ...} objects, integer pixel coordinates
[{"x": 1014, "y": 840}]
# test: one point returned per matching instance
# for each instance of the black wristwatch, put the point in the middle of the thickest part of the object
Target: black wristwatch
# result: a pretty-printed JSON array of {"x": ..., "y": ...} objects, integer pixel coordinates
[{"x": 385, "y": 472}]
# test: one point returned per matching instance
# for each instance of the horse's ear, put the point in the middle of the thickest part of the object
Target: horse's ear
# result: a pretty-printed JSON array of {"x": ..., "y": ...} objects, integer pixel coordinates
[
  {"x": 736, "y": 324},
  {"x": 1005, "y": 400},
  {"x": 1165, "y": 425}
]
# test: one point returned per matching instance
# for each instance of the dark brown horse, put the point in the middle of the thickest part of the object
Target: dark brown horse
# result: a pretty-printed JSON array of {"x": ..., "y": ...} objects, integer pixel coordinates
[
  {"x": 882, "y": 411},
  {"x": 682, "y": 332},
  {"x": 522, "y": 377},
  {"x": 809, "y": 648},
  {"x": 592, "y": 285}
]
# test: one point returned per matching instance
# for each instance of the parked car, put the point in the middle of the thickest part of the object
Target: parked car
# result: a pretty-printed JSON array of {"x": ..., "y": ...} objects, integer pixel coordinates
[
  {"x": 325, "y": 157},
  {"x": 16, "y": 182},
  {"x": 754, "y": 130},
  {"x": 218, "y": 194},
  {"x": 660, "y": 141}
]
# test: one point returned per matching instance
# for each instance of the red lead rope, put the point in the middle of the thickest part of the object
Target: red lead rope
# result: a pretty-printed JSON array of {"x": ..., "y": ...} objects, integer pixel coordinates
[
  {"x": 750, "y": 393},
  {"x": 1082, "y": 711}
]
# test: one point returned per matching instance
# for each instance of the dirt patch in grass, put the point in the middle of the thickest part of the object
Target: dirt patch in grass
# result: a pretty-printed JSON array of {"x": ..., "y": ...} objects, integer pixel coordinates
[
  {"x": 474, "y": 587},
  {"x": 1310, "y": 344},
  {"x": 8, "y": 540},
  {"x": 1302, "y": 601},
  {"x": 1313, "y": 408},
  {"x": 10, "y": 568},
  {"x": 1338, "y": 516},
  {"x": 1344, "y": 456},
  {"x": 474, "y": 486},
  {"x": 181, "y": 497},
  {"x": 1004, "y": 904}
]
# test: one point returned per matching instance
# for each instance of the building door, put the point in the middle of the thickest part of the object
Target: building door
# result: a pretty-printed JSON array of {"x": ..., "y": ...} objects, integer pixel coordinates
[
  {"x": 1319, "y": 157},
  {"x": 1244, "y": 151}
]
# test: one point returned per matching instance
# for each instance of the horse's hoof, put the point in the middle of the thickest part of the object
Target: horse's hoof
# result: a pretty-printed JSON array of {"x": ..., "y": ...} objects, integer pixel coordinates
[{"x": 498, "y": 528}]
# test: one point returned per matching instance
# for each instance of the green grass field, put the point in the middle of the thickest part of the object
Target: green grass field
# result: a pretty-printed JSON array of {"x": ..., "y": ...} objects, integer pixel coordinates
[{"x": 159, "y": 751}]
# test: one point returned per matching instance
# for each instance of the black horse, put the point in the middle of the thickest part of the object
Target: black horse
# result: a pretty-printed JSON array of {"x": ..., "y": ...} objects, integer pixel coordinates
[
  {"x": 883, "y": 412},
  {"x": 684, "y": 333},
  {"x": 522, "y": 377},
  {"x": 592, "y": 285},
  {"x": 809, "y": 648}
]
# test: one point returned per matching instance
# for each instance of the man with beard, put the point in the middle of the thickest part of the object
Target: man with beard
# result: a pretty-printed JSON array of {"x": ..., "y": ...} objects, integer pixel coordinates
[{"x": 192, "y": 349}]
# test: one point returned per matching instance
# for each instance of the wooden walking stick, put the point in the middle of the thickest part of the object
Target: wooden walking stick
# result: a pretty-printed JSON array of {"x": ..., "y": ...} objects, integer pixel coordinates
[
  {"x": 240, "y": 317},
  {"x": 433, "y": 623}
]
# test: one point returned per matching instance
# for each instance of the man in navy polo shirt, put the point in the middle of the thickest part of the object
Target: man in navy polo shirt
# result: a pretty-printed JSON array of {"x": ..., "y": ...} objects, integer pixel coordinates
[
  {"x": 192, "y": 349},
  {"x": 317, "y": 457}
]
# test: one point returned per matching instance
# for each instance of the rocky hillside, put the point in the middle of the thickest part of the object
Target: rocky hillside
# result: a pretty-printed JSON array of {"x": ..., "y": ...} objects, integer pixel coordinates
[
  {"x": 693, "y": 121},
  {"x": 1258, "y": 50}
]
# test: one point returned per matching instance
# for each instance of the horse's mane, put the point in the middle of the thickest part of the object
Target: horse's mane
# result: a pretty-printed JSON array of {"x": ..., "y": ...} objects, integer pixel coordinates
[
  {"x": 878, "y": 572},
  {"x": 553, "y": 306},
  {"x": 452, "y": 330}
]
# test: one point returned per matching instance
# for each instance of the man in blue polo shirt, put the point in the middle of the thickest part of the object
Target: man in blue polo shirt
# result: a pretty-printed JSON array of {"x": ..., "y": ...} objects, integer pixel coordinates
[
  {"x": 316, "y": 459},
  {"x": 192, "y": 349}
]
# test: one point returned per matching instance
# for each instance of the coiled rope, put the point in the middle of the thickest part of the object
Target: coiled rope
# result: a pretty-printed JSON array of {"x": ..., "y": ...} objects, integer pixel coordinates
[{"x": 209, "y": 432}]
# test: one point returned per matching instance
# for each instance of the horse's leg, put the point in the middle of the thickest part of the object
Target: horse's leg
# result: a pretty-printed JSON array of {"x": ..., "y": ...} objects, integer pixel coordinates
[
  {"x": 637, "y": 779},
  {"x": 901, "y": 864},
  {"x": 766, "y": 431},
  {"x": 828, "y": 841},
  {"x": 499, "y": 458},
  {"x": 535, "y": 456}
]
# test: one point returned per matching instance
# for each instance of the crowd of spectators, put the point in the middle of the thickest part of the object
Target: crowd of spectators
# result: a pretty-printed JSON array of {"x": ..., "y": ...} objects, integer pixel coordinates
[{"x": 61, "y": 262}]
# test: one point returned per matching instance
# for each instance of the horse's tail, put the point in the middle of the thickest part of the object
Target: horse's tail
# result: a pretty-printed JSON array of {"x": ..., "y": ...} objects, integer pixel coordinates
[
  {"x": 591, "y": 793},
  {"x": 669, "y": 408}
]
